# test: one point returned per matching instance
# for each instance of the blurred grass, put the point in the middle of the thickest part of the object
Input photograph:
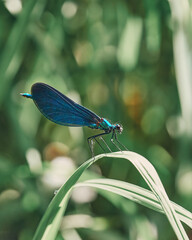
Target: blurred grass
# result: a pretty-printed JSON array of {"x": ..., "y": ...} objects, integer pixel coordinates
[
  {"x": 9, "y": 58},
  {"x": 116, "y": 58}
]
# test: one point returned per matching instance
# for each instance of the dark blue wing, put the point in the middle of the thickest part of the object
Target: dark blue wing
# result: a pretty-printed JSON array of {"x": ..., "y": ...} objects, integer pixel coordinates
[{"x": 60, "y": 109}]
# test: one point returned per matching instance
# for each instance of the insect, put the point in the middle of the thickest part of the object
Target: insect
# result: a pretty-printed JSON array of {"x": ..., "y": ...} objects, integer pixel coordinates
[{"x": 62, "y": 110}]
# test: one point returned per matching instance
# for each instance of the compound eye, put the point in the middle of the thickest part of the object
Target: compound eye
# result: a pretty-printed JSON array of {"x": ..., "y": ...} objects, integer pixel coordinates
[{"x": 119, "y": 128}]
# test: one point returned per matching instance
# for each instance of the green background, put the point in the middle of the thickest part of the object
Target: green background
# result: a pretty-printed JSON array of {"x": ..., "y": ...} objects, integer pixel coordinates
[{"x": 117, "y": 59}]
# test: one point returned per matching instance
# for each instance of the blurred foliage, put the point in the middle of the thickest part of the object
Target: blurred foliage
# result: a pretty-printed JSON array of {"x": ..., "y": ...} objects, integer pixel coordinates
[{"x": 114, "y": 57}]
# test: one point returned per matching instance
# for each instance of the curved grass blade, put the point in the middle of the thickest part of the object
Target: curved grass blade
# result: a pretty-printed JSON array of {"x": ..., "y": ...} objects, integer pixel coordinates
[
  {"x": 50, "y": 222},
  {"x": 136, "y": 194}
]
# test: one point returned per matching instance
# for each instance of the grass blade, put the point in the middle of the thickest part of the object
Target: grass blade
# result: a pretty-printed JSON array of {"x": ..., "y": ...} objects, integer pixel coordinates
[
  {"x": 50, "y": 222},
  {"x": 136, "y": 194}
]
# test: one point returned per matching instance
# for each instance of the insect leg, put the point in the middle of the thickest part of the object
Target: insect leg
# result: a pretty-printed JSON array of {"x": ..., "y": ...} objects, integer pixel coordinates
[
  {"x": 121, "y": 144},
  {"x": 98, "y": 143},
  {"x": 100, "y": 135},
  {"x": 112, "y": 140},
  {"x": 105, "y": 144},
  {"x": 94, "y": 137},
  {"x": 90, "y": 144}
]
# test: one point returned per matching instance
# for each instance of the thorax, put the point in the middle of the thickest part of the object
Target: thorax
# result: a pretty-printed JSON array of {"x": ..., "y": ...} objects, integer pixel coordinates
[{"x": 103, "y": 124}]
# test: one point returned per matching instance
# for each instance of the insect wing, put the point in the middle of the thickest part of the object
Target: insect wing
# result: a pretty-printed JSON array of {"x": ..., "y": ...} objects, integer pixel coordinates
[{"x": 60, "y": 109}]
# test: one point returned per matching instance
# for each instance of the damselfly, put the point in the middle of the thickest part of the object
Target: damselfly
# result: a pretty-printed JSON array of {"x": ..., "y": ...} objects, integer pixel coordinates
[{"x": 62, "y": 110}]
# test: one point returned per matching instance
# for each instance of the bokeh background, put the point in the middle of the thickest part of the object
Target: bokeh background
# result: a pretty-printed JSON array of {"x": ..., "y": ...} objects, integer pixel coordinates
[{"x": 128, "y": 61}]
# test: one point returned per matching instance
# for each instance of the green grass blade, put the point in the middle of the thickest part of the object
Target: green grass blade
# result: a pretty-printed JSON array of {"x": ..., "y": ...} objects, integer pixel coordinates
[
  {"x": 151, "y": 177},
  {"x": 136, "y": 194},
  {"x": 50, "y": 222}
]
